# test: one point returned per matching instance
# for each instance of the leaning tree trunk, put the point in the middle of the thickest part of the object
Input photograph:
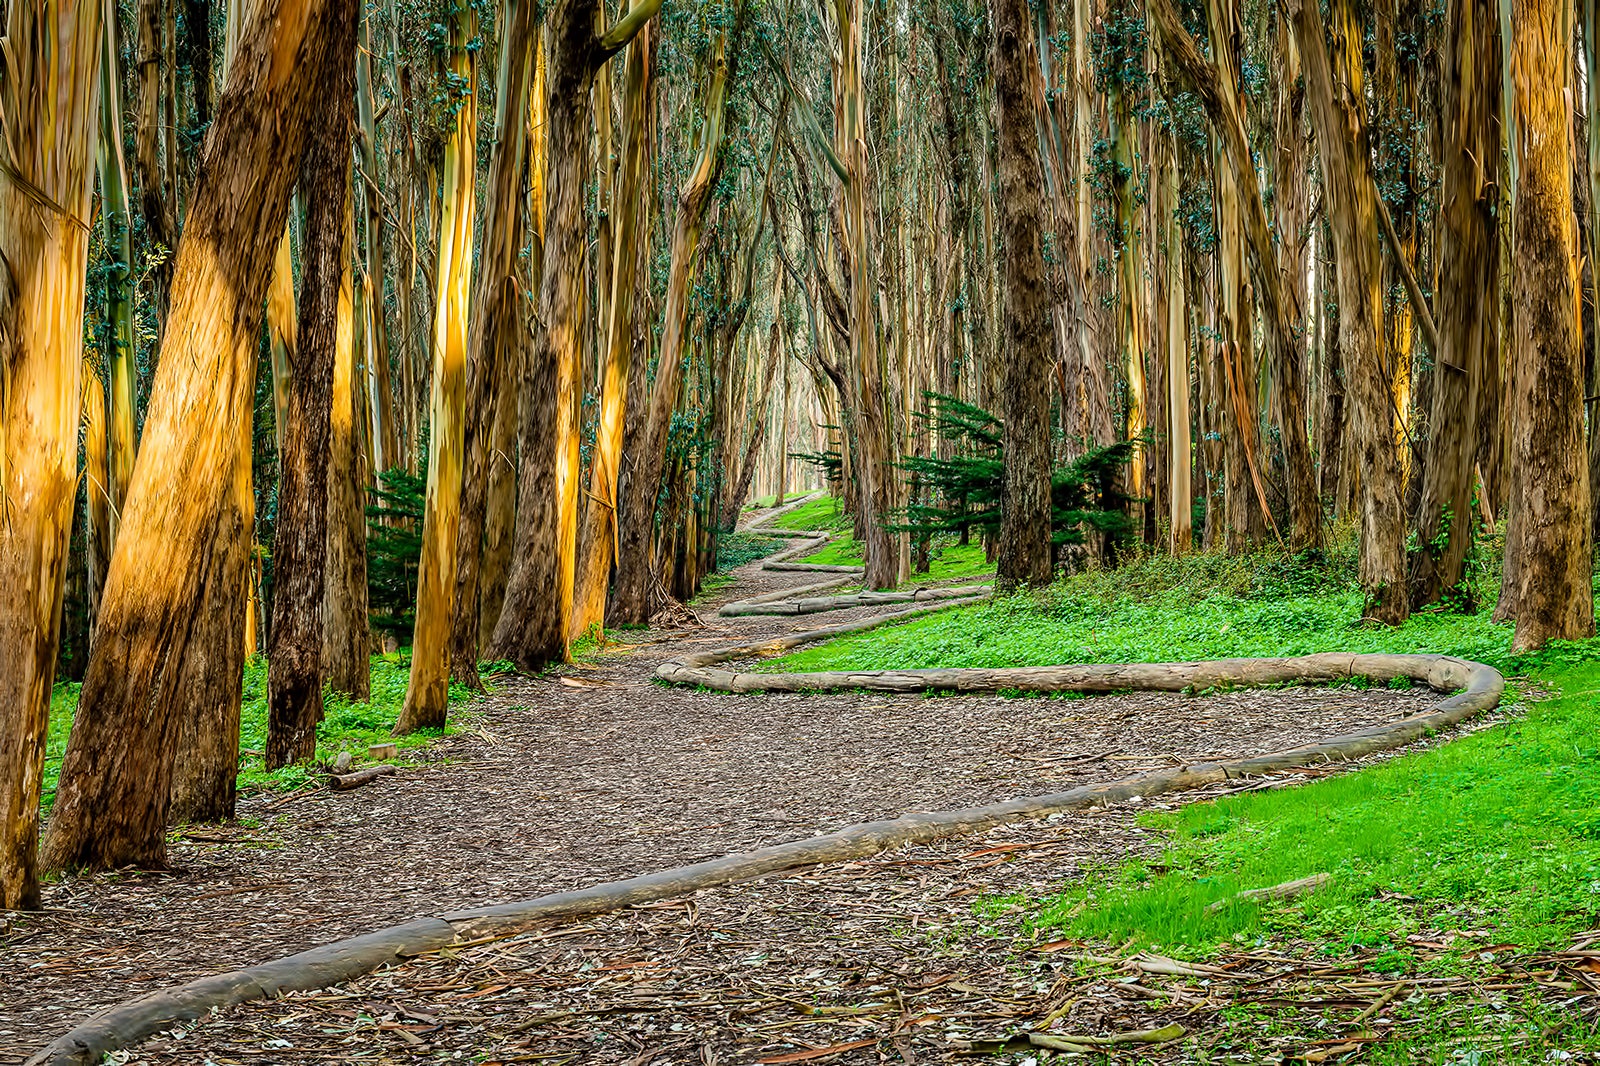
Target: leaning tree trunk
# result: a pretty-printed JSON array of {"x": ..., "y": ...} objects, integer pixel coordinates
[
  {"x": 111, "y": 808},
  {"x": 428, "y": 694},
  {"x": 1353, "y": 222},
  {"x": 48, "y": 112},
  {"x": 1468, "y": 295},
  {"x": 300, "y": 543},
  {"x": 1024, "y": 556},
  {"x": 1548, "y": 587}
]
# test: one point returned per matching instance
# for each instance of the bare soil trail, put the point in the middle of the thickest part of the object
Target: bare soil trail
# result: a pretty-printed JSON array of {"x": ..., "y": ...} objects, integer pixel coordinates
[{"x": 596, "y": 772}]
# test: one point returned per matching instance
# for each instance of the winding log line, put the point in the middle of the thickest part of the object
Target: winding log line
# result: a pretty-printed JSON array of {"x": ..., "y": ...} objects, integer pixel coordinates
[{"x": 1476, "y": 688}]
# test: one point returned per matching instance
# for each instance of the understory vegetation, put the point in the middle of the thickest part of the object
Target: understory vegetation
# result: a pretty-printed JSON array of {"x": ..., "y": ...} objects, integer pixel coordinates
[{"x": 346, "y": 726}]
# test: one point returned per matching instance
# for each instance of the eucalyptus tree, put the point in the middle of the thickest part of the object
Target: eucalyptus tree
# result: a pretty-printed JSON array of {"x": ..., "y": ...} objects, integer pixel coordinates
[
  {"x": 1547, "y": 586},
  {"x": 1025, "y": 554},
  {"x": 428, "y": 692},
  {"x": 48, "y": 121},
  {"x": 175, "y": 542},
  {"x": 537, "y": 611}
]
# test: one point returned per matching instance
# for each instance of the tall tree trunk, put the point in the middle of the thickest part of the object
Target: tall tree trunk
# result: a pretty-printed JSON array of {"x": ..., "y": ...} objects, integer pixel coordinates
[
  {"x": 120, "y": 347},
  {"x": 1024, "y": 551},
  {"x": 597, "y": 541},
  {"x": 1469, "y": 274},
  {"x": 870, "y": 411},
  {"x": 111, "y": 808},
  {"x": 428, "y": 693},
  {"x": 631, "y": 602},
  {"x": 300, "y": 542},
  {"x": 496, "y": 322},
  {"x": 532, "y": 628},
  {"x": 1547, "y": 587},
  {"x": 346, "y": 630},
  {"x": 159, "y": 220},
  {"x": 48, "y": 110},
  {"x": 1331, "y": 85},
  {"x": 1179, "y": 441},
  {"x": 385, "y": 451}
]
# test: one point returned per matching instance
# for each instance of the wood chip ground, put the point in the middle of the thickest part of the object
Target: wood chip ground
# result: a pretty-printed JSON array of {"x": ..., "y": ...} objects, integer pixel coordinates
[{"x": 594, "y": 773}]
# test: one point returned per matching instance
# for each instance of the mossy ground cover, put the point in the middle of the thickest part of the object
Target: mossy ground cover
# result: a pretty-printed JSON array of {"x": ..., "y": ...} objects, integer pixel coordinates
[
  {"x": 346, "y": 726},
  {"x": 1491, "y": 840},
  {"x": 824, "y": 512},
  {"x": 947, "y": 559}
]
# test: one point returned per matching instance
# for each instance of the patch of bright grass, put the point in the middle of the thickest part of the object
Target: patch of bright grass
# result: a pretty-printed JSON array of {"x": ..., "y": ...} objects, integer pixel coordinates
[
  {"x": 1057, "y": 626},
  {"x": 824, "y": 512},
  {"x": 1497, "y": 834},
  {"x": 345, "y": 725},
  {"x": 946, "y": 560}
]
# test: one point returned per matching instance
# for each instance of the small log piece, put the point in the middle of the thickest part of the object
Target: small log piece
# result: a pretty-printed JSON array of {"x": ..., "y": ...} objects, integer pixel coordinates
[{"x": 346, "y": 782}]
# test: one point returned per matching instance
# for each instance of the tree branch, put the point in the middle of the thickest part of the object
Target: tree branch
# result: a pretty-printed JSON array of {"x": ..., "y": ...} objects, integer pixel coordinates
[{"x": 627, "y": 27}]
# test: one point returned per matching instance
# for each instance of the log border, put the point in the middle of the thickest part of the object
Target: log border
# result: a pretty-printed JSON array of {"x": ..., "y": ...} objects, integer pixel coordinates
[{"x": 1474, "y": 687}]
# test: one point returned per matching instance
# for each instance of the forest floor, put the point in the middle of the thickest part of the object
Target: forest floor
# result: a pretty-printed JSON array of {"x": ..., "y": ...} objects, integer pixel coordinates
[{"x": 594, "y": 772}]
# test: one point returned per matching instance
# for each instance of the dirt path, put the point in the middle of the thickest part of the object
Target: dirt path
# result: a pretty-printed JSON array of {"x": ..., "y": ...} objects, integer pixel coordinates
[{"x": 592, "y": 774}]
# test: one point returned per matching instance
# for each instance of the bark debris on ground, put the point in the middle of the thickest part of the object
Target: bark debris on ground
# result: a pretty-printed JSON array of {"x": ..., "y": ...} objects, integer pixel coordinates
[{"x": 595, "y": 773}]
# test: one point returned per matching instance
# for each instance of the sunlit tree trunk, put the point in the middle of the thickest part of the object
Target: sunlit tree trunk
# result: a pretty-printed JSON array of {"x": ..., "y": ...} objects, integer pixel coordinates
[
  {"x": 385, "y": 440},
  {"x": 428, "y": 694},
  {"x": 346, "y": 631},
  {"x": 1467, "y": 298},
  {"x": 111, "y": 807},
  {"x": 300, "y": 546},
  {"x": 48, "y": 111},
  {"x": 1024, "y": 556},
  {"x": 281, "y": 333},
  {"x": 119, "y": 349},
  {"x": 1547, "y": 587},
  {"x": 597, "y": 540},
  {"x": 496, "y": 322},
  {"x": 631, "y": 597},
  {"x": 1352, "y": 216}
]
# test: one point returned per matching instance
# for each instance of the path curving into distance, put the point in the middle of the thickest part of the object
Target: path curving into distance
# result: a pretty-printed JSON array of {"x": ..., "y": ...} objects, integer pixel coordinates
[{"x": 1467, "y": 688}]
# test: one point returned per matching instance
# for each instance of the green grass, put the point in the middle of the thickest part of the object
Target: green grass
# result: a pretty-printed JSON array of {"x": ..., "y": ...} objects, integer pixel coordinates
[
  {"x": 824, "y": 512},
  {"x": 1497, "y": 834},
  {"x": 736, "y": 549},
  {"x": 947, "y": 559},
  {"x": 345, "y": 726}
]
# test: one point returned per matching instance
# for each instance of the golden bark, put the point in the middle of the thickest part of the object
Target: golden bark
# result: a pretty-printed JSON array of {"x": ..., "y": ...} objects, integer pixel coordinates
[
  {"x": 111, "y": 808},
  {"x": 428, "y": 694},
  {"x": 599, "y": 536},
  {"x": 1547, "y": 585}
]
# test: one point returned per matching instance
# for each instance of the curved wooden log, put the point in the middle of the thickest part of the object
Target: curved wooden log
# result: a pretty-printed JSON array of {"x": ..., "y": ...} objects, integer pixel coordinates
[
  {"x": 1475, "y": 687},
  {"x": 789, "y": 602}
]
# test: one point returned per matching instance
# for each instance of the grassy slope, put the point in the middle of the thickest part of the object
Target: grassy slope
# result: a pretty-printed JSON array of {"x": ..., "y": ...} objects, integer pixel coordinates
[
  {"x": 824, "y": 512},
  {"x": 1498, "y": 834}
]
